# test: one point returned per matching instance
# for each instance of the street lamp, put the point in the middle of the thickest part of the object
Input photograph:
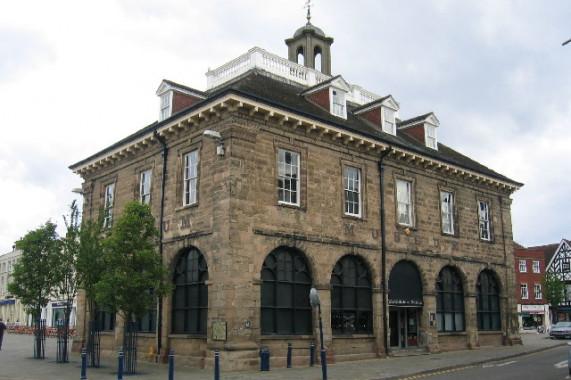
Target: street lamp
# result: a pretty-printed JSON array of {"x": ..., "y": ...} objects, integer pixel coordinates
[{"x": 315, "y": 301}]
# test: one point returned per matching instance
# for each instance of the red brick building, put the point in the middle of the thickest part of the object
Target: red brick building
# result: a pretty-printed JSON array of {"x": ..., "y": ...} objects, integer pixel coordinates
[{"x": 533, "y": 309}]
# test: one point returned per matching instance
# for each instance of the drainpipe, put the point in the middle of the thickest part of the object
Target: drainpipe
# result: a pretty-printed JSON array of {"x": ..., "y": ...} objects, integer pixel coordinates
[
  {"x": 381, "y": 168},
  {"x": 161, "y": 217}
]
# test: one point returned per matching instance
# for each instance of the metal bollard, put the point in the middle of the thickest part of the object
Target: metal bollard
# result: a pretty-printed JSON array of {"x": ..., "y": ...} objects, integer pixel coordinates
[
  {"x": 289, "y": 355},
  {"x": 312, "y": 354},
  {"x": 216, "y": 365},
  {"x": 83, "y": 364},
  {"x": 120, "y": 367},
  {"x": 171, "y": 365}
]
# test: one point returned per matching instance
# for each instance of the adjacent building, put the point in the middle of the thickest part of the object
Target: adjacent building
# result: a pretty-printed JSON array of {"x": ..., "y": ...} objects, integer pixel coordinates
[
  {"x": 281, "y": 177},
  {"x": 533, "y": 308},
  {"x": 558, "y": 258}
]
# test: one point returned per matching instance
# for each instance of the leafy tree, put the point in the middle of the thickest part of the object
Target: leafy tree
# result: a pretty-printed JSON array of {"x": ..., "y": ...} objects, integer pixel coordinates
[
  {"x": 553, "y": 290},
  {"x": 34, "y": 277},
  {"x": 134, "y": 276}
]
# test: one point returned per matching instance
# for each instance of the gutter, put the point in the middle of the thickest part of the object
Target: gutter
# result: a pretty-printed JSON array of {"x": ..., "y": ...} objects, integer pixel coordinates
[{"x": 381, "y": 168}]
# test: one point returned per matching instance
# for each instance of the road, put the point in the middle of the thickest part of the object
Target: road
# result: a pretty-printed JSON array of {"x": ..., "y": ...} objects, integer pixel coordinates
[{"x": 546, "y": 365}]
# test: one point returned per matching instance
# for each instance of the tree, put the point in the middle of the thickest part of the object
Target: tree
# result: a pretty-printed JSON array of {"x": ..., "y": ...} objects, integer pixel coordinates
[
  {"x": 34, "y": 276},
  {"x": 134, "y": 276},
  {"x": 553, "y": 291}
]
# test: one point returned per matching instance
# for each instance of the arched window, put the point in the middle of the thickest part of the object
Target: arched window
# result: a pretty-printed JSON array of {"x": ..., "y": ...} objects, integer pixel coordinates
[
  {"x": 488, "y": 302},
  {"x": 190, "y": 298},
  {"x": 317, "y": 58},
  {"x": 285, "y": 307},
  {"x": 449, "y": 301},
  {"x": 351, "y": 297}
]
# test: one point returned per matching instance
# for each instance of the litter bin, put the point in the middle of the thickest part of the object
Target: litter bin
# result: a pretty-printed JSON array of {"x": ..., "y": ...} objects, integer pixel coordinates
[{"x": 264, "y": 358}]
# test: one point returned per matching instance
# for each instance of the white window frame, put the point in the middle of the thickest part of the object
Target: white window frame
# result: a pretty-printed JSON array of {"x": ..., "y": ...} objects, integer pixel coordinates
[
  {"x": 430, "y": 136},
  {"x": 109, "y": 204},
  {"x": 523, "y": 291},
  {"x": 289, "y": 177},
  {"x": 166, "y": 105},
  {"x": 389, "y": 121},
  {"x": 536, "y": 267},
  {"x": 537, "y": 291},
  {"x": 447, "y": 212},
  {"x": 404, "y": 202},
  {"x": 484, "y": 220},
  {"x": 352, "y": 191},
  {"x": 145, "y": 186},
  {"x": 338, "y": 101},
  {"x": 522, "y": 266},
  {"x": 190, "y": 178}
]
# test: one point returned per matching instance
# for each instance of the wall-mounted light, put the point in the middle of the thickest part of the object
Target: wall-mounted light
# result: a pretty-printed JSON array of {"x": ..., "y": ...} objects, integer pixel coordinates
[{"x": 216, "y": 135}]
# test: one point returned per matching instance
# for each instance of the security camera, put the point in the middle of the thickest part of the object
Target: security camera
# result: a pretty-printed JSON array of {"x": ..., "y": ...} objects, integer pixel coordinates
[{"x": 213, "y": 134}]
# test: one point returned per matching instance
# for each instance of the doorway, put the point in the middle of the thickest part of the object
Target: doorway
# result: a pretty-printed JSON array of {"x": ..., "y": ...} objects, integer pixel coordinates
[{"x": 403, "y": 322}]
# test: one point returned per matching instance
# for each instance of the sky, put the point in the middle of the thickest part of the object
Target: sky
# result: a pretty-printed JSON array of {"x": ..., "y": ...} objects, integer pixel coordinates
[{"x": 77, "y": 76}]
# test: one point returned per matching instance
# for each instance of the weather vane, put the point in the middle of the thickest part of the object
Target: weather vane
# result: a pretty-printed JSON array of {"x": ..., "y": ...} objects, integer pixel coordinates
[{"x": 308, "y": 5}]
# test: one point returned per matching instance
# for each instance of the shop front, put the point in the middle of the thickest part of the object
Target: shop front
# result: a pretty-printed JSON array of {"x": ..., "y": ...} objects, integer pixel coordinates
[{"x": 532, "y": 317}]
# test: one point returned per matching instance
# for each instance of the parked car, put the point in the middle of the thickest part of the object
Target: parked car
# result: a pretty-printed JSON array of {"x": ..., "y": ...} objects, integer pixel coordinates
[{"x": 560, "y": 330}]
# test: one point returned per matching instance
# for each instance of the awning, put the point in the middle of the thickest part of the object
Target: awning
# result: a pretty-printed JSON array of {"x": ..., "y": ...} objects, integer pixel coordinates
[{"x": 405, "y": 286}]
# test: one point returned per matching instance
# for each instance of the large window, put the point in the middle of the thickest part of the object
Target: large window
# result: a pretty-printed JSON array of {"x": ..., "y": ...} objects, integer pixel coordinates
[
  {"x": 524, "y": 291},
  {"x": 537, "y": 291},
  {"x": 286, "y": 282},
  {"x": 430, "y": 132},
  {"x": 536, "y": 268},
  {"x": 351, "y": 297},
  {"x": 449, "y": 301},
  {"x": 104, "y": 320},
  {"x": 165, "y": 105},
  {"x": 488, "y": 302},
  {"x": 190, "y": 298},
  {"x": 190, "y": 178},
  {"x": 404, "y": 202},
  {"x": 389, "y": 125},
  {"x": 484, "y": 217},
  {"x": 288, "y": 177},
  {"x": 522, "y": 266},
  {"x": 447, "y": 208},
  {"x": 338, "y": 103},
  {"x": 352, "y": 184},
  {"x": 145, "y": 187},
  {"x": 108, "y": 206}
]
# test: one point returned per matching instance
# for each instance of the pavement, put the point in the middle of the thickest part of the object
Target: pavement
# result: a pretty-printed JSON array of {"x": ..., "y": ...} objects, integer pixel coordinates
[{"x": 17, "y": 363}]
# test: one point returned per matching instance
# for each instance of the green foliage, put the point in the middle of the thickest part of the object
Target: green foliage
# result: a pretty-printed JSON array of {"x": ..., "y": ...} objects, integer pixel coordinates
[
  {"x": 134, "y": 275},
  {"x": 35, "y": 274},
  {"x": 553, "y": 289}
]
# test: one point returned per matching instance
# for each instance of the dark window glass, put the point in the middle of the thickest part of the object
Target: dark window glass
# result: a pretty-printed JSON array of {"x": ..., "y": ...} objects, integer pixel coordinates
[
  {"x": 449, "y": 301},
  {"x": 351, "y": 297},
  {"x": 488, "y": 302},
  {"x": 286, "y": 282},
  {"x": 105, "y": 321},
  {"x": 190, "y": 298}
]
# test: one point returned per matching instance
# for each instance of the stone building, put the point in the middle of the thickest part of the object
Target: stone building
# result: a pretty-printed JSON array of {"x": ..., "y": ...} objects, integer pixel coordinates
[{"x": 280, "y": 177}]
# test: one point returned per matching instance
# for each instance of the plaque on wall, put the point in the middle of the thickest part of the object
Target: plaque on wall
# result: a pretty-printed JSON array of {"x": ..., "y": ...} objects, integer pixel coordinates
[{"x": 219, "y": 330}]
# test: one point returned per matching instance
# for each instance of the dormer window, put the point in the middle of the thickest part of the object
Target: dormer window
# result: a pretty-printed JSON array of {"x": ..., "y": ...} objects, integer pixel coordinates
[
  {"x": 430, "y": 136},
  {"x": 166, "y": 105},
  {"x": 338, "y": 104},
  {"x": 389, "y": 124}
]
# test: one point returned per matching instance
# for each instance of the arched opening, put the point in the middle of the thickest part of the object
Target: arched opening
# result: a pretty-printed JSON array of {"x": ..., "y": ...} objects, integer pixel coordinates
[
  {"x": 190, "y": 297},
  {"x": 351, "y": 297},
  {"x": 449, "y": 300},
  {"x": 300, "y": 56},
  {"x": 488, "y": 302},
  {"x": 317, "y": 58},
  {"x": 405, "y": 304},
  {"x": 286, "y": 281}
]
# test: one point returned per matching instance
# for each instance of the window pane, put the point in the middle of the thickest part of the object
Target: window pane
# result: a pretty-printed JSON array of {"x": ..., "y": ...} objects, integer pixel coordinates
[{"x": 288, "y": 177}]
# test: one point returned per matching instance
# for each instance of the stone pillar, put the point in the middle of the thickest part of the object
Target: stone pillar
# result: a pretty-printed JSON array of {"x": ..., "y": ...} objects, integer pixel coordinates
[{"x": 471, "y": 321}]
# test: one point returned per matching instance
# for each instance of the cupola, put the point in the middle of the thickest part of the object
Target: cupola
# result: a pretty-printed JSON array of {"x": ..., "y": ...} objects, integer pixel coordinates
[{"x": 310, "y": 47}]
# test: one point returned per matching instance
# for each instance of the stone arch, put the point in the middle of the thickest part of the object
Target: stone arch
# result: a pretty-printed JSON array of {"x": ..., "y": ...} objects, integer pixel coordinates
[
  {"x": 488, "y": 302},
  {"x": 450, "y": 289}
]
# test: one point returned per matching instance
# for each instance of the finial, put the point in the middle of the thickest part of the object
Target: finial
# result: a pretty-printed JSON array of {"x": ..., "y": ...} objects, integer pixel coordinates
[{"x": 308, "y": 5}]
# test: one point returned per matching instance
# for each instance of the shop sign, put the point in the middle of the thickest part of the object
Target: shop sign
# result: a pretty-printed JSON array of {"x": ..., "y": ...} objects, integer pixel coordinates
[
  {"x": 532, "y": 309},
  {"x": 402, "y": 302}
]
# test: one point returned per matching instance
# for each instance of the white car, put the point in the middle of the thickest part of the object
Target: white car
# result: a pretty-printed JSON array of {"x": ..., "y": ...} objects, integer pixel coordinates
[{"x": 560, "y": 330}]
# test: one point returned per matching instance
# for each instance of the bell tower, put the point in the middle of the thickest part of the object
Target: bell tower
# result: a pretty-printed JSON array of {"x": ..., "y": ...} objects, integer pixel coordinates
[{"x": 310, "y": 47}]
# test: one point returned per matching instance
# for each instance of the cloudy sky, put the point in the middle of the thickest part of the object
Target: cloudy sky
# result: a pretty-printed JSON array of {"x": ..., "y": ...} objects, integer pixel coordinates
[{"x": 76, "y": 76}]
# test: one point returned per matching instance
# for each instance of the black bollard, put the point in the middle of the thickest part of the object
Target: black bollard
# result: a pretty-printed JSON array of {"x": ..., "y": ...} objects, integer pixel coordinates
[
  {"x": 171, "y": 365},
  {"x": 289, "y": 348},
  {"x": 120, "y": 369},
  {"x": 83, "y": 364},
  {"x": 216, "y": 365}
]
